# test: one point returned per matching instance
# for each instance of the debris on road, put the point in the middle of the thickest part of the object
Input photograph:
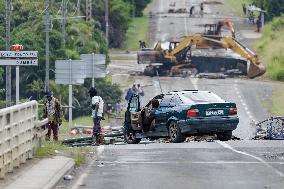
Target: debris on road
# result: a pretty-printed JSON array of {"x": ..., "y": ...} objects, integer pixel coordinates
[
  {"x": 270, "y": 129},
  {"x": 68, "y": 177}
]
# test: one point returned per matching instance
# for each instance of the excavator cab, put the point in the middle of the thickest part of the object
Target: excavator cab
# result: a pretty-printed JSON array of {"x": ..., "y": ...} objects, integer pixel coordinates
[{"x": 210, "y": 29}]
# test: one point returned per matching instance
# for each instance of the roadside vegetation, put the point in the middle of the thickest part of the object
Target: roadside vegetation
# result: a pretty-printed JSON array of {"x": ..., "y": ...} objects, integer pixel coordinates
[
  {"x": 27, "y": 29},
  {"x": 49, "y": 149},
  {"x": 271, "y": 48},
  {"x": 138, "y": 30}
]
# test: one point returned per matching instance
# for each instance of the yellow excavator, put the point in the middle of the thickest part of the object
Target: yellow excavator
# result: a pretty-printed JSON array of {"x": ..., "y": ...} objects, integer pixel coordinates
[{"x": 178, "y": 56}]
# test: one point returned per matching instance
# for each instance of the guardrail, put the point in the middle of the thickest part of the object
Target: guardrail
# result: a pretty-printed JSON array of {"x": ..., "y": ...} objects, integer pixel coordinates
[{"x": 20, "y": 134}]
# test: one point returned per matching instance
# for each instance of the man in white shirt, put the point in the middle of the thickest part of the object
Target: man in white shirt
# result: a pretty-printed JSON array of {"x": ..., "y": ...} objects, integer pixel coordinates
[{"x": 97, "y": 113}]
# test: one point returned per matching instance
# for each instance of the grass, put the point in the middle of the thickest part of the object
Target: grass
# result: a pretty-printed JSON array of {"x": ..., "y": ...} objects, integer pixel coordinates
[
  {"x": 50, "y": 148},
  {"x": 236, "y": 5},
  {"x": 271, "y": 48},
  {"x": 277, "y": 108},
  {"x": 123, "y": 57},
  {"x": 138, "y": 30}
]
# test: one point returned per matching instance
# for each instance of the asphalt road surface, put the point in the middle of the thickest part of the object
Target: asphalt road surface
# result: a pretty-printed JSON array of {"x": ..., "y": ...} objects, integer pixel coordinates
[{"x": 234, "y": 164}]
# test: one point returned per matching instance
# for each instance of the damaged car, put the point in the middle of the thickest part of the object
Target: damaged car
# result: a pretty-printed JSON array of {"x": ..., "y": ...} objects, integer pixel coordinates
[{"x": 179, "y": 114}]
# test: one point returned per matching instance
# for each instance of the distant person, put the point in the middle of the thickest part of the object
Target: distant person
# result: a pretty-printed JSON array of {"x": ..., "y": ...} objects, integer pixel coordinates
[
  {"x": 97, "y": 114},
  {"x": 244, "y": 9},
  {"x": 258, "y": 24},
  {"x": 52, "y": 111},
  {"x": 131, "y": 91},
  {"x": 139, "y": 90},
  {"x": 191, "y": 11},
  {"x": 201, "y": 9},
  {"x": 142, "y": 44}
]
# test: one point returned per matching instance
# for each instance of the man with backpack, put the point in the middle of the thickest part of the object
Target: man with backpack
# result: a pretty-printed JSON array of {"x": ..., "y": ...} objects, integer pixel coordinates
[{"x": 97, "y": 114}]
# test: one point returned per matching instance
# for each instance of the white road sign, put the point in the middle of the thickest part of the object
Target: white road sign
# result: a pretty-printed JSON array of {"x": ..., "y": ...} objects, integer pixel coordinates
[
  {"x": 63, "y": 72},
  {"x": 18, "y": 62},
  {"x": 18, "y": 54},
  {"x": 95, "y": 65}
]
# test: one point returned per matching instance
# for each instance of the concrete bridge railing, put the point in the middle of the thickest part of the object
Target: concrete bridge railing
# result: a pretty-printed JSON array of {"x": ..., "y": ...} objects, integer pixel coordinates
[{"x": 20, "y": 134}]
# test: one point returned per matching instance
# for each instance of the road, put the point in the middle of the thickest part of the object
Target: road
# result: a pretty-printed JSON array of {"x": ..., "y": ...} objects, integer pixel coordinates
[{"x": 233, "y": 164}]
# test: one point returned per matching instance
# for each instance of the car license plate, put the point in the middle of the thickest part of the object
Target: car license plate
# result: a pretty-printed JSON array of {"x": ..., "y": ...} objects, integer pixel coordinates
[{"x": 214, "y": 112}]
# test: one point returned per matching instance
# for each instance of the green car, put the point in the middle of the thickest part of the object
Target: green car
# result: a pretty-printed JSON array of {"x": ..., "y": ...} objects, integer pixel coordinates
[{"x": 179, "y": 114}]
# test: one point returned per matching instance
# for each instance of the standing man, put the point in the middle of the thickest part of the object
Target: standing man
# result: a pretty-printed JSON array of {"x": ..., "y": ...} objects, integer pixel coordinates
[
  {"x": 201, "y": 9},
  {"x": 191, "y": 11},
  {"x": 97, "y": 114},
  {"x": 244, "y": 9},
  {"x": 52, "y": 111}
]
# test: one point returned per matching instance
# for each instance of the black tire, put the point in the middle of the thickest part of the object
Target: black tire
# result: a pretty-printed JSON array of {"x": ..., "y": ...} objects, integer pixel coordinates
[
  {"x": 225, "y": 136},
  {"x": 175, "y": 133},
  {"x": 130, "y": 138}
]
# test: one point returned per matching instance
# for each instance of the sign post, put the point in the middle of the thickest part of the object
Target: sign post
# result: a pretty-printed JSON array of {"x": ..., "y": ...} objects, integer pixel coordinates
[
  {"x": 17, "y": 57},
  {"x": 69, "y": 72}
]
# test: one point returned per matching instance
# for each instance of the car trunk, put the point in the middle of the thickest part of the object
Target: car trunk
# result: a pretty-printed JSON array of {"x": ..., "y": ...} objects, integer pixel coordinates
[{"x": 213, "y": 109}]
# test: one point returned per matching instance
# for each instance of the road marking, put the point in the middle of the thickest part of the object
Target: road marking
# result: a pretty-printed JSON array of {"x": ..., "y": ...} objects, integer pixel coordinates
[
  {"x": 225, "y": 145},
  {"x": 190, "y": 162},
  {"x": 79, "y": 182},
  {"x": 194, "y": 83},
  {"x": 83, "y": 175}
]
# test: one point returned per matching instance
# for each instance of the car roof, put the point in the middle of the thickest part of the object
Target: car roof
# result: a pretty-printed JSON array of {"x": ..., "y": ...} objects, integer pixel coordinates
[{"x": 187, "y": 91}]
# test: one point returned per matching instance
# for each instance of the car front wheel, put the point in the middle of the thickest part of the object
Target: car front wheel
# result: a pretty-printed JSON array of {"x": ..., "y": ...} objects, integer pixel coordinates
[
  {"x": 225, "y": 136},
  {"x": 175, "y": 133},
  {"x": 130, "y": 138}
]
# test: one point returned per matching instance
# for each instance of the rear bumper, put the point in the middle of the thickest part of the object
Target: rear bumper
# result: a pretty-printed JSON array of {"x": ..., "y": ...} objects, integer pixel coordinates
[{"x": 208, "y": 125}]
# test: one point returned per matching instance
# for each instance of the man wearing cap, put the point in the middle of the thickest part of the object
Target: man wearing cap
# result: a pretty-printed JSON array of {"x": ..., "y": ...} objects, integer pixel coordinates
[
  {"x": 52, "y": 111},
  {"x": 97, "y": 114}
]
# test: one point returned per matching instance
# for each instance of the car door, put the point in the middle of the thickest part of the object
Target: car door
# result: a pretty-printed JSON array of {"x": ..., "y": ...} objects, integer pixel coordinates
[
  {"x": 132, "y": 113},
  {"x": 163, "y": 113}
]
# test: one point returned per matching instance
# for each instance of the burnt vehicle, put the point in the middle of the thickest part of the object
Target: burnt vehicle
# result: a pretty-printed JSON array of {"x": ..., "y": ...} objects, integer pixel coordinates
[{"x": 179, "y": 114}]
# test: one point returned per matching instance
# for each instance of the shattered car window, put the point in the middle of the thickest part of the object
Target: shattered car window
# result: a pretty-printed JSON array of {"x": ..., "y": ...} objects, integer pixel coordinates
[{"x": 190, "y": 97}]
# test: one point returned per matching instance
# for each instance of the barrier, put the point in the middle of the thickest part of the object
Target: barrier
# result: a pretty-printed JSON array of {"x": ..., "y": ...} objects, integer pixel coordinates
[{"x": 20, "y": 134}]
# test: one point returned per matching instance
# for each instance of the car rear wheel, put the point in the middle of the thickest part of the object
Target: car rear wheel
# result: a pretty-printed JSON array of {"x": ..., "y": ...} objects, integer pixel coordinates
[
  {"x": 224, "y": 136},
  {"x": 175, "y": 133},
  {"x": 130, "y": 138}
]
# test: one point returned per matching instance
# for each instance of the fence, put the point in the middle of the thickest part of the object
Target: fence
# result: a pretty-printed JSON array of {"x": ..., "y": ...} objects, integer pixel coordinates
[{"x": 20, "y": 135}]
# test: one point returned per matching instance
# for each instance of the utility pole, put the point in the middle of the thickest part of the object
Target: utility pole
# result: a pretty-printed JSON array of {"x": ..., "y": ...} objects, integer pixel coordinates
[
  {"x": 8, "y": 68},
  {"x": 88, "y": 10},
  {"x": 63, "y": 21},
  {"x": 106, "y": 20},
  {"x": 78, "y": 7},
  {"x": 47, "y": 8}
]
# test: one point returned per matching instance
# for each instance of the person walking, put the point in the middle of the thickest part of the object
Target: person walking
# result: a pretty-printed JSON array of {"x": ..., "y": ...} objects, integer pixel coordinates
[
  {"x": 244, "y": 9},
  {"x": 140, "y": 90},
  {"x": 201, "y": 9},
  {"x": 97, "y": 114},
  {"x": 191, "y": 11},
  {"x": 52, "y": 111},
  {"x": 258, "y": 24}
]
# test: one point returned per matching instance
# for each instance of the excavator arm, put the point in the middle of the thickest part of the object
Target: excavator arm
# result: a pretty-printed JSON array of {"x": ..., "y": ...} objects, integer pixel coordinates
[{"x": 255, "y": 68}]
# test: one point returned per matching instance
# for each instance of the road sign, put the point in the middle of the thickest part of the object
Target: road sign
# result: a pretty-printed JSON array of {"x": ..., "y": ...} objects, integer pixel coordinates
[
  {"x": 18, "y": 54},
  {"x": 69, "y": 72},
  {"x": 95, "y": 65},
  {"x": 18, "y": 62}
]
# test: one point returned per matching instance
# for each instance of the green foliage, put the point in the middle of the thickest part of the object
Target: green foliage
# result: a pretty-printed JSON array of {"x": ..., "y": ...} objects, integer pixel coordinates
[
  {"x": 274, "y": 8},
  {"x": 138, "y": 30},
  {"x": 271, "y": 48}
]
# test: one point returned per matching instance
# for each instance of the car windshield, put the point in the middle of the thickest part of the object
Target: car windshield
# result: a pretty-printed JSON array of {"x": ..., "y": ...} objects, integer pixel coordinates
[{"x": 204, "y": 96}]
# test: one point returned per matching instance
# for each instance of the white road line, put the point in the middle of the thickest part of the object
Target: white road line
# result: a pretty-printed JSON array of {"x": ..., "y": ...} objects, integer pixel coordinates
[
  {"x": 83, "y": 176},
  {"x": 77, "y": 184},
  {"x": 194, "y": 83},
  {"x": 190, "y": 162},
  {"x": 225, "y": 145}
]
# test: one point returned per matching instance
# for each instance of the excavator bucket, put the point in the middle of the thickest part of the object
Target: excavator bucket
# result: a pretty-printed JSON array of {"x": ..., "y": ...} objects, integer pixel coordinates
[{"x": 255, "y": 70}]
